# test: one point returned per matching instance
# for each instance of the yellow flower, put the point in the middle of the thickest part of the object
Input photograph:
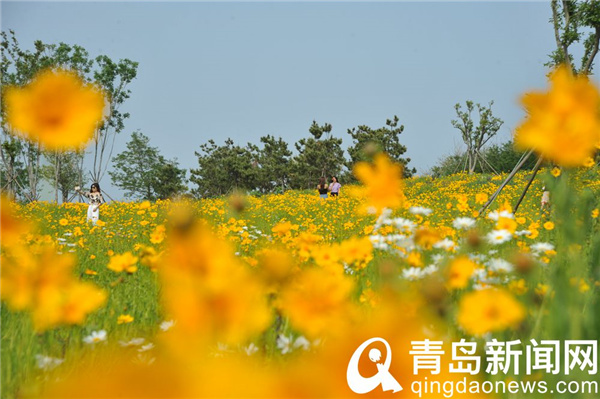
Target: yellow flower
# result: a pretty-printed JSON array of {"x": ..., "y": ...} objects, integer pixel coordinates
[
  {"x": 383, "y": 182},
  {"x": 11, "y": 227},
  {"x": 563, "y": 124},
  {"x": 318, "y": 302},
  {"x": 158, "y": 235},
  {"x": 283, "y": 228},
  {"x": 425, "y": 237},
  {"x": 356, "y": 250},
  {"x": 43, "y": 284},
  {"x": 506, "y": 224},
  {"x": 460, "y": 272},
  {"x": 90, "y": 272},
  {"x": 207, "y": 289},
  {"x": 549, "y": 226},
  {"x": 414, "y": 259},
  {"x": 489, "y": 310},
  {"x": 555, "y": 172},
  {"x": 518, "y": 287},
  {"x": 124, "y": 262},
  {"x": 481, "y": 198},
  {"x": 595, "y": 213},
  {"x": 542, "y": 289},
  {"x": 100, "y": 223},
  {"x": 589, "y": 162},
  {"x": 124, "y": 319},
  {"x": 56, "y": 108},
  {"x": 63, "y": 222}
]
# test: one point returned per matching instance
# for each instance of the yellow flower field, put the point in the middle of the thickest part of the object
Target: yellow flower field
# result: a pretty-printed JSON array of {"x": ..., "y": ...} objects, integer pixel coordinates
[{"x": 172, "y": 299}]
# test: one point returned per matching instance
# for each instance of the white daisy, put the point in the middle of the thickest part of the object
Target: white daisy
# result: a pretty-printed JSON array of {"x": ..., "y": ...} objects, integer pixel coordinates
[
  {"x": 404, "y": 225},
  {"x": 165, "y": 325},
  {"x": 437, "y": 258},
  {"x": 419, "y": 210},
  {"x": 430, "y": 270},
  {"x": 251, "y": 349},
  {"x": 463, "y": 223},
  {"x": 495, "y": 215},
  {"x": 500, "y": 266},
  {"x": 540, "y": 247},
  {"x": 412, "y": 273},
  {"x": 284, "y": 344},
  {"x": 146, "y": 347},
  {"x": 522, "y": 233},
  {"x": 95, "y": 337},
  {"x": 498, "y": 237},
  {"x": 132, "y": 342},
  {"x": 446, "y": 244},
  {"x": 302, "y": 342},
  {"x": 46, "y": 362}
]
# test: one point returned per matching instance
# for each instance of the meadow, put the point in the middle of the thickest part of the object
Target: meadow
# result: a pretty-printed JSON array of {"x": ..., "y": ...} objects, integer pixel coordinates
[{"x": 269, "y": 296}]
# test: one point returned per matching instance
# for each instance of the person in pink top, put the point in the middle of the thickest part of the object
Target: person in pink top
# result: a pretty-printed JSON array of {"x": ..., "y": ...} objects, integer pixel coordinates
[{"x": 334, "y": 187}]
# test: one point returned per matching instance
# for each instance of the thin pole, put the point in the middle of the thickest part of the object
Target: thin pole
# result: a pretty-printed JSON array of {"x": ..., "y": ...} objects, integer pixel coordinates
[
  {"x": 535, "y": 170},
  {"x": 506, "y": 181}
]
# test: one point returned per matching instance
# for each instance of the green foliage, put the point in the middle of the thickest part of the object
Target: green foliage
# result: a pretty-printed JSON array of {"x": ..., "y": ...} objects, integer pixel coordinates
[
  {"x": 21, "y": 164},
  {"x": 222, "y": 169},
  {"x": 63, "y": 171},
  {"x": 575, "y": 23},
  {"x": 144, "y": 174},
  {"x": 274, "y": 161},
  {"x": 317, "y": 157},
  {"x": 368, "y": 141},
  {"x": 501, "y": 158},
  {"x": 169, "y": 179},
  {"x": 476, "y": 137}
]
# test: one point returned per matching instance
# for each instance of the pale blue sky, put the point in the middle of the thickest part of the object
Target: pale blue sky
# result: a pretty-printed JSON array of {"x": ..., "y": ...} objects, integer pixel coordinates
[{"x": 243, "y": 70}]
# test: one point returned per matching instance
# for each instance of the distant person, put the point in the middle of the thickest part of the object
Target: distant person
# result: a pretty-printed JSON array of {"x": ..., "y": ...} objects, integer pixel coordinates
[
  {"x": 335, "y": 186},
  {"x": 322, "y": 187},
  {"x": 96, "y": 199},
  {"x": 545, "y": 199}
]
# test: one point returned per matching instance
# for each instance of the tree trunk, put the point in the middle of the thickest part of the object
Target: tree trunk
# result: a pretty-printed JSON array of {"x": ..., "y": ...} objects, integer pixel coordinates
[{"x": 56, "y": 175}]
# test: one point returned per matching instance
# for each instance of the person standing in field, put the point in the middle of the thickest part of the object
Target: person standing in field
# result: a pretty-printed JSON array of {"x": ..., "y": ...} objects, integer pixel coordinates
[
  {"x": 335, "y": 186},
  {"x": 96, "y": 199},
  {"x": 322, "y": 187}
]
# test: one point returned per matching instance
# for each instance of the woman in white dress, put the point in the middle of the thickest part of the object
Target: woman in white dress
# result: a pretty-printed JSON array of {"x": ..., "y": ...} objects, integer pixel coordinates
[{"x": 96, "y": 199}]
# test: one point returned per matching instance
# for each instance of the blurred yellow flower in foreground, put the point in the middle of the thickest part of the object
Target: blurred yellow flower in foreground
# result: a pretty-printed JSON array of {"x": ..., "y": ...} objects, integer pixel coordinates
[
  {"x": 207, "y": 289},
  {"x": 382, "y": 181},
  {"x": 282, "y": 228},
  {"x": 43, "y": 284},
  {"x": 563, "y": 124},
  {"x": 57, "y": 109},
  {"x": 489, "y": 310},
  {"x": 123, "y": 262},
  {"x": 460, "y": 272},
  {"x": 317, "y": 302},
  {"x": 11, "y": 227}
]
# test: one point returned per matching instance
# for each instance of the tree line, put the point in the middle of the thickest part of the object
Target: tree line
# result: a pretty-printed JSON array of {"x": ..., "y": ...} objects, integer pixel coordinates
[{"x": 268, "y": 167}]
